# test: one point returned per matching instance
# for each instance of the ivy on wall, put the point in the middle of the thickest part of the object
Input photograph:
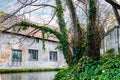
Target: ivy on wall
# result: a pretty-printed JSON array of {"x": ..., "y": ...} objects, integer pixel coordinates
[
  {"x": 44, "y": 30},
  {"x": 62, "y": 36}
]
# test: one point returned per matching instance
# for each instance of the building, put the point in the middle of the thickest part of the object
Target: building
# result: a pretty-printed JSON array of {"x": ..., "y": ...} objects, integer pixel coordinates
[
  {"x": 112, "y": 40},
  {"x": 22, "y": 50}
]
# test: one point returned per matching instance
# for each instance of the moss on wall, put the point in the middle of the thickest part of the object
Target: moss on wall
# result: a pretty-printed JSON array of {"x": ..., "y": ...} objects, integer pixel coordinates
[{"x": 19, "y": 70}]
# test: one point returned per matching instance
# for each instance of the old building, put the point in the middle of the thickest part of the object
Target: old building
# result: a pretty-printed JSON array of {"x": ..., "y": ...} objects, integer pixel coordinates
[
  {"x": 23, "y": 50},
  {"x": 112, "y": 40}
]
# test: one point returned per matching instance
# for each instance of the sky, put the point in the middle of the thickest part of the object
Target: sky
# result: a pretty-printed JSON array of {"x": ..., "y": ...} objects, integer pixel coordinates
[
  {"x": 42, "y": 15},
  {"x": 3, "y": 3}
]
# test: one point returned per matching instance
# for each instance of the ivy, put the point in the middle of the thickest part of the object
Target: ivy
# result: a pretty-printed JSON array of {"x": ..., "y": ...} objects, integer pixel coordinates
[
  {"x": 91, "y": 26},
  {"x": 43, "y": 40},
  {"x": 62, "y": 25},
  {"x": 62, "y": 36},
  {"x": 88, "y": 69},
  {"x": 44, "y": 29}
]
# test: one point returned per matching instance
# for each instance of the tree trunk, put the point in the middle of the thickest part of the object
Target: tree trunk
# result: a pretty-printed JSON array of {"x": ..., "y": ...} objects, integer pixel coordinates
[
  {"x": 79, "y": 35},
  {"x": 93, "y": 33},
  {"x": 64, "y": 39}
]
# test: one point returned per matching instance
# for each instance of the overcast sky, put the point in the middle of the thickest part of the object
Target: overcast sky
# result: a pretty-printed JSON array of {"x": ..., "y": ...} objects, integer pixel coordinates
[{"x": 42, "y": 15}]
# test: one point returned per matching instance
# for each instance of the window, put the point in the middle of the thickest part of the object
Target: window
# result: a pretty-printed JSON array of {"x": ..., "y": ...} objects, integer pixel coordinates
[
  {"x": 37, "y": 40},
  {"x": 16, "y": 55},
  {"x": 33, "y": 55},
  {"x": 53, "y": 55}
]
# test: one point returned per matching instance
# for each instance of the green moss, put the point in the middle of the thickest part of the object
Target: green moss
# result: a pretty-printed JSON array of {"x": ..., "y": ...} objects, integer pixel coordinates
[{"x": 19, "y": 70}]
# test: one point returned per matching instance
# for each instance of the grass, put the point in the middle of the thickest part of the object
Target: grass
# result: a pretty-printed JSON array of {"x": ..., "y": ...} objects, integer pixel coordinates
[{"x": 20, "y": 70}]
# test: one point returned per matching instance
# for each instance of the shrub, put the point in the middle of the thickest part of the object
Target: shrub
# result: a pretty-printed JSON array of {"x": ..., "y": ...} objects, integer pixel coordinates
[
  {"x": 88, "y": 69},
  {"x": 109, "y": 53},
  {"x": 112, "y": 50}
]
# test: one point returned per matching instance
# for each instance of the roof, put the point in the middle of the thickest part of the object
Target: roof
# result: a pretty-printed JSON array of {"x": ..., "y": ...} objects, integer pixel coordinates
[
  {"x": 30, "y": 31},
  {"x": 112, "y": 29},
  {"x": 108, "y": 32}
]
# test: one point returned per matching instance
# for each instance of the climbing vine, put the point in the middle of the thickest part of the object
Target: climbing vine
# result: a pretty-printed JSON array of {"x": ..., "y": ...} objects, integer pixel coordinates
[
  {"x": 45, "y": 29},
  {"x": 43, "y": 40},
  {"x": 42, "y": 28},
  {"x": 93, "y": 42},
  {"x": 62, "y": 36},
  {"x": 65, "y": 44}
]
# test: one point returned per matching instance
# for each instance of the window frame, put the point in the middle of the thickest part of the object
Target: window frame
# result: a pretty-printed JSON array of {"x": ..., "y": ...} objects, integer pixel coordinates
[
  {"x": 33, "y": 52},
  {"x": 53, "y": 56},
  {"x": 13, "y": 50}
]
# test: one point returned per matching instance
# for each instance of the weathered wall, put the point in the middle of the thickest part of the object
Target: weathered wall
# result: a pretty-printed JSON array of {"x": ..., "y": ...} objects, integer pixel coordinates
[
  {"x": 10, "y": 41},
  {"x": 111, "y": 40}
]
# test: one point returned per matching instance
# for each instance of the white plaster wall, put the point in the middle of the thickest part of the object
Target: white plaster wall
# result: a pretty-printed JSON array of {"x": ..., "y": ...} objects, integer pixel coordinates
[
  {"x": 13, "y": 42},
  {"x": 110, "y": 41}
]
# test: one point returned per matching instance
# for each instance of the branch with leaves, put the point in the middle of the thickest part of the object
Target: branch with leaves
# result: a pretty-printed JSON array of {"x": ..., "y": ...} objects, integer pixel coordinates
[{"x": 24, "y": 25}]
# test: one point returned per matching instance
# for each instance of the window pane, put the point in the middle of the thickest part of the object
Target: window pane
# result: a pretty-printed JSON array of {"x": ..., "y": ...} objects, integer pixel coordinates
[
  {"x": 33, "y": 55},
  {"x": 53, "y": 56},
  {"x": 16, "y": 55}
]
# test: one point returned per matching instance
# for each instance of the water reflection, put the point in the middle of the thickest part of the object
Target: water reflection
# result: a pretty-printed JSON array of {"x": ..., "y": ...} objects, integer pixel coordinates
[{"x": 28, "y": 76}]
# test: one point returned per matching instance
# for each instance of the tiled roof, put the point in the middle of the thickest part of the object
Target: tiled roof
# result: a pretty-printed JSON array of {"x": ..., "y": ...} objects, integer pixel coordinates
[{"x": 30, "y": 31}]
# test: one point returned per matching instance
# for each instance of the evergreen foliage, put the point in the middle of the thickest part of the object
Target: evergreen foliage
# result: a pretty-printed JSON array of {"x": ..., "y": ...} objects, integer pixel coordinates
[{"x": 88, "y": 69}]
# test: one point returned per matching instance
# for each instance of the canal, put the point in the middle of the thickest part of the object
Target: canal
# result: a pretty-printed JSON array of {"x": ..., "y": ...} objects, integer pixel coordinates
[{"x": 28, "y": 76}]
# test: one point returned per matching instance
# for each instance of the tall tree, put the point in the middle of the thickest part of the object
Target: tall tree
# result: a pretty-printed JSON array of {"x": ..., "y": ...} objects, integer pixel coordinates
[
  {"x": 93, "y": 45},
  {"x": 79, "y": 34},
  {"x": 93, "y": 33}
]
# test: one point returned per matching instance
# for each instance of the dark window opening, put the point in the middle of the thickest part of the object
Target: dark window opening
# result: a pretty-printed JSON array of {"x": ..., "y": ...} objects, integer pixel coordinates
[
  {"x": 33, "y": 55},
  {"x": 53, "y": 55},
  {"x": 16, "y": 55},
  {"x": 37, "y": 40}
]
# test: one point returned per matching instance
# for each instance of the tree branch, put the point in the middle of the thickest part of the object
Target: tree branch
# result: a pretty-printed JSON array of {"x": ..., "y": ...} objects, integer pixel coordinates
[
  {"x": 38, "y": 4},
  {"x": 42, "y": 28},
  {"x": 9, "y": 16},
  {"x": 44, "y": 5},
  {"x": 114, "y": 4}
]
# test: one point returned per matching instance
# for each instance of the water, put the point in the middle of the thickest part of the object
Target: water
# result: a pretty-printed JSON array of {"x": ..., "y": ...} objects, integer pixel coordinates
[{"x": 28, "y": 76}]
